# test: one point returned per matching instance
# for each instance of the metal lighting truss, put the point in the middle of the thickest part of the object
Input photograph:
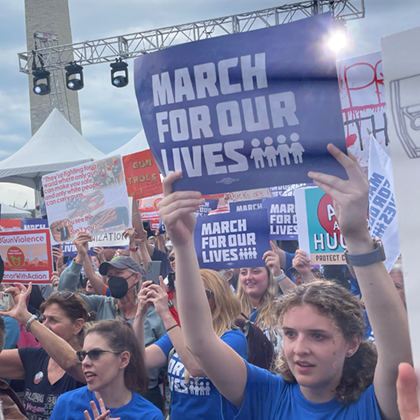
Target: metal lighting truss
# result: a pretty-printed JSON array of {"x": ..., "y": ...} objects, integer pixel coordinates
[{"x": 128, "y": 46}]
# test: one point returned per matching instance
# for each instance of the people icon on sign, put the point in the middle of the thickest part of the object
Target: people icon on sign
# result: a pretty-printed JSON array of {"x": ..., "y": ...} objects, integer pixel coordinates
[
  {"x": 270, "y": 152},
  {"x": 296, "y": 148},
  {"x": 283, "y": 151},
  {"x": 257, "y": 153}
]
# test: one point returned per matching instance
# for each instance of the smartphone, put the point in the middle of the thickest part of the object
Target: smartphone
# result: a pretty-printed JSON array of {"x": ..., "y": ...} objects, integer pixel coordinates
[
  {"x": 6, "y": 302},
  {"x": 153, "y": 271},
  {"x": 171, "y": 280}
]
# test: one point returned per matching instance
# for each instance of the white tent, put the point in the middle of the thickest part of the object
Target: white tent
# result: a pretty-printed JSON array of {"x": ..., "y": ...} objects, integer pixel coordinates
[
  {"x": 57, "y": 145},
  {"x": 136, "y": 144},
  {"x": 9, "y": 212}
]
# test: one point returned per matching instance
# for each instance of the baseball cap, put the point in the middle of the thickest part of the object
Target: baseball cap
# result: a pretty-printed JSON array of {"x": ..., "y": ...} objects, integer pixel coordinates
[{"x": 122, "y": 263}]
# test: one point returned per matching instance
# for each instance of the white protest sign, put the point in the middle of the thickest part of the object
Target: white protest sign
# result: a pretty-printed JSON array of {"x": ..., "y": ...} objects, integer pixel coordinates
[
  {"x": 401, "y": 59},
  {"x": 87, "y": 198},
  {"x": 383, "y": 221}
]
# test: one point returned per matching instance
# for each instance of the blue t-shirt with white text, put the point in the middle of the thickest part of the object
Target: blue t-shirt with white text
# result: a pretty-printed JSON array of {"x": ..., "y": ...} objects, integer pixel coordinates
[{"x": 198, "y": 399}]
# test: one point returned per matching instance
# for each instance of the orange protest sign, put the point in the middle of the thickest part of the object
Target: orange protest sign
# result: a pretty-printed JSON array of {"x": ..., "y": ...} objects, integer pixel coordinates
[{"x": 141, "y": 175}]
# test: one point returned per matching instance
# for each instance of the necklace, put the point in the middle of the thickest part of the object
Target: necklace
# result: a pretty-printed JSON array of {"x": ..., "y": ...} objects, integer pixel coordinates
[{"x": 114, "y": 410}]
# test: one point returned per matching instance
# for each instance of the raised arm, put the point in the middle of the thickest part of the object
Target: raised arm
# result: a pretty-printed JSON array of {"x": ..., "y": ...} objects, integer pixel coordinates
[
  {"x": 272, "y": 261},
  {"x": 57, "y": 348},
  {"x": 386, "y": 312},
  {"x": 222, "y": 364}
]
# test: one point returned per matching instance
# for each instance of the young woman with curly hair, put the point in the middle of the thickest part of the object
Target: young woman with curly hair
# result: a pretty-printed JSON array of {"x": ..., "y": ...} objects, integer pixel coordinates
[{"x": 317, "y": 343}]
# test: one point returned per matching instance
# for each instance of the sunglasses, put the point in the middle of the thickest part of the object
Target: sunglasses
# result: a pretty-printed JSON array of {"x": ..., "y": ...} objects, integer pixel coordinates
[
  {"x": 93, "y": 355},
  {"x": 66, "y": 294},
  {"x": 171, "y": 259},
  {"x": 208, "y": 293}
]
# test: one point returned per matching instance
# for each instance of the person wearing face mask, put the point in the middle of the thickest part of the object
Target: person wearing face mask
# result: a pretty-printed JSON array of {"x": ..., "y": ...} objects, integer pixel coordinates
[{"x": 124, "y": 279}]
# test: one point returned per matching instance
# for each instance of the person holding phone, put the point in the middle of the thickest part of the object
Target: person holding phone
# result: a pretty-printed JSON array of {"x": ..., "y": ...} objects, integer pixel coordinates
[
  {"x": 124, "y": 279},
  {"x": 193, "y": 393}
]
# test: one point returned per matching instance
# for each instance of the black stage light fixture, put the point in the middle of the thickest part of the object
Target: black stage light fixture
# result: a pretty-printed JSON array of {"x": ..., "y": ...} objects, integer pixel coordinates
[
  {"x": 41, "y": 81},
  {"x": 74, "y": 76},
  {"x": 119, "y": 73}
]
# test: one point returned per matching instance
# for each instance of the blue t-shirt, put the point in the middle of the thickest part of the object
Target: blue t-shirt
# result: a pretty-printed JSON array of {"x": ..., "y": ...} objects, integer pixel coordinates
[
  {"x": 12, "y": 332},
  {"x": 199, "y": 399},
  {"x": 289, "y": 265},
  {"x": 71, "y": 405},
  {"x": 269, "y": 397}
]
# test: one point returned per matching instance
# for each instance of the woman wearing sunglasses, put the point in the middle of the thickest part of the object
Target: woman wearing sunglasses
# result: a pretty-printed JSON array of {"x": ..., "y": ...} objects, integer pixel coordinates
[
  {"x": 193, "y": 394},
  {"x": 115, "y": 375},
  {"x": 51, "y": 370}
]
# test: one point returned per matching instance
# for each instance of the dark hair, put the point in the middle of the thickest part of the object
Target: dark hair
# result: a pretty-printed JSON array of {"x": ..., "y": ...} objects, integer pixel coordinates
[
  {"x": 2, "y": 333},
  {"x": 120, "y": 337},
  {"x": 333, "y": 301},
  {"x": 74, "y": 307}
]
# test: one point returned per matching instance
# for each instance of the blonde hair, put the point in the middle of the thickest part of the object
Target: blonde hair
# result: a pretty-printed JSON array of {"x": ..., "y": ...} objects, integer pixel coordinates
[
  {"x": 266, "y": 311},
  {"x": 227, "y": 307}
]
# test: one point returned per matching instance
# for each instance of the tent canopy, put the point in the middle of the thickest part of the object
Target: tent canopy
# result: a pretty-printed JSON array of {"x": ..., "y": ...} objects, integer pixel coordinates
[
  {"x": 9, "y": 212},
  {"x": 136, "y": 144},
  {"x": 57, "y": 145}
]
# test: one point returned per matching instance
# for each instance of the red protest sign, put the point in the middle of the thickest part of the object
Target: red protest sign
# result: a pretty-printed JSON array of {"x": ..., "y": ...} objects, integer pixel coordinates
[
  {"x": 27, "y": 256},
  {"x": 141, "y": 175}
]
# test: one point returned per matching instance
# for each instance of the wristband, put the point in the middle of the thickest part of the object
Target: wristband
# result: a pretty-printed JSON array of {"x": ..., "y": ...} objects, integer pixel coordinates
[
  {"x": 135, "y": 249},
  {"x": 30, "y": 320},
  {"x": 280, "y": 277},
  {"x": 171, "y": 328},
  {"x": 363, "y": 260}
]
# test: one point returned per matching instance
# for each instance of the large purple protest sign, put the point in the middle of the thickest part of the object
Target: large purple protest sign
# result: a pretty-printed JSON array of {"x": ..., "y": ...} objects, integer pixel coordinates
[
  {"x": 282, "y": 216},
  {"x": 244, "y": 111},
  {"x": 245, "y": 205},
  {"x": 232, "y": 240}
]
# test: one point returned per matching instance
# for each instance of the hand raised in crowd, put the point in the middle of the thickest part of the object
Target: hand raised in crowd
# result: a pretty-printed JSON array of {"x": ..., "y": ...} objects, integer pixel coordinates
[
  {"x": 407, "y": 391},
  {"x": 272, "y": 261},
  {"x": 131, "y": 235},
  {"x": 177, "y": 210},
  {"x": 55, "y": 279},
  {"x": 58, "y": 256},
  {"x": 301, "y": 262},
  {"x": 99, "y": 251},
  {"x": 104, "y": 412},
  {"x": 350, "y": 198},
  {"x": 143, "y": 305},
  {"x": 81, "y": 243},
  {"x": 141, "y": 234},
  {"x": 19, "y": 295}
]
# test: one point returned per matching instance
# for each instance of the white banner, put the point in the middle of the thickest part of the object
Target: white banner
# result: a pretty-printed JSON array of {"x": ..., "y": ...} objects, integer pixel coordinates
[
  {"x": 383, "y": 221},
  {"x": 402, "y": 70}
]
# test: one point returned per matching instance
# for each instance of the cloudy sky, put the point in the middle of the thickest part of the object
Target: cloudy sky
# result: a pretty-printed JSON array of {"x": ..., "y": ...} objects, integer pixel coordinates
[{"x": 110, "y": 116}]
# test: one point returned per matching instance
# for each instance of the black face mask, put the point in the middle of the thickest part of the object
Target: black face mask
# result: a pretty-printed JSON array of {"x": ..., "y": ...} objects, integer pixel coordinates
[{"x": 118, "y": 286}]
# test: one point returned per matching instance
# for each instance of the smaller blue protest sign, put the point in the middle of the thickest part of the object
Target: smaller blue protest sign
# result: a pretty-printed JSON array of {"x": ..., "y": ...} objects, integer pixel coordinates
[
  {"x": 282, "y": 216},
  {"x": 33, "y": 224},
  {"x": 232, "y": 240},
  {"x": 207, "y": 207},
  {"x": 162, "y": 228},
  {"x": 245, "y": 205}
]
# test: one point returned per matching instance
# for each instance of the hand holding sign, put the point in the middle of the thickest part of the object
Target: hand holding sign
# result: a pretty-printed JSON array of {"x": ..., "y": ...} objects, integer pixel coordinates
[
  {"x": 350, "y": 198},
  {"x": 177, "y": 210}
]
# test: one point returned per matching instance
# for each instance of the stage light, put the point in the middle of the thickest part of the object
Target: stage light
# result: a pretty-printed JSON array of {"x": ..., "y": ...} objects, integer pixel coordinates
[
  {"x": 41, "y": 81},
  {"x": 119, "y": 73},
  {"x": 338, "y": 39},
  {"x": 74, "y": 76}
]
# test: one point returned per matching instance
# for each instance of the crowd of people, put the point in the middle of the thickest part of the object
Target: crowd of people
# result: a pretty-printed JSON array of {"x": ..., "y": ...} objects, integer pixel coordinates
[{"x": 101, "y": 342}]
